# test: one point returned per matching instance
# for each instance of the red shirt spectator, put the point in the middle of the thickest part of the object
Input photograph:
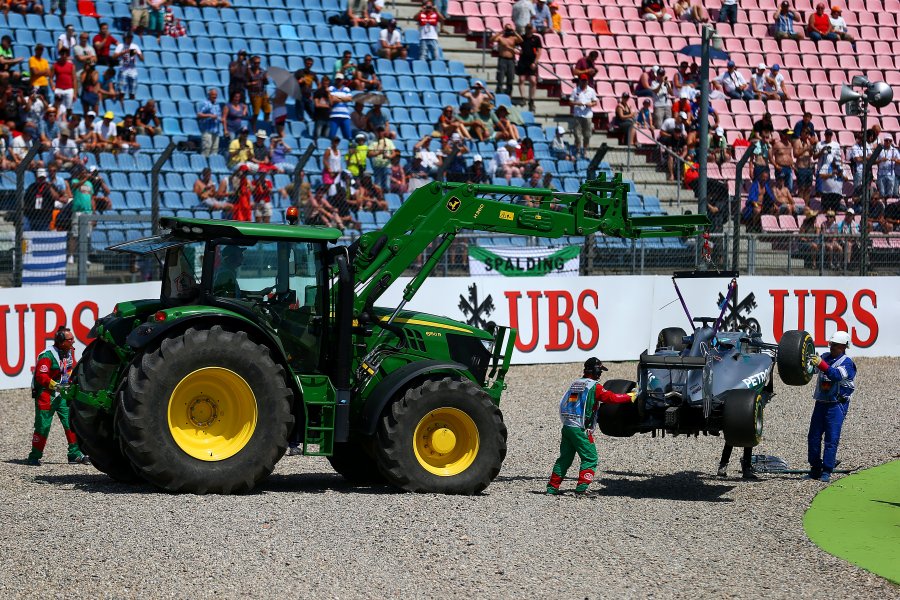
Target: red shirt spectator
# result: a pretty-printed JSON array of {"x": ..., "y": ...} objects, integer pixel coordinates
[
  {"x": 64, "y": 74},
  {"x": 243, "y": 208},
  {"x": 102, "y": 43}
]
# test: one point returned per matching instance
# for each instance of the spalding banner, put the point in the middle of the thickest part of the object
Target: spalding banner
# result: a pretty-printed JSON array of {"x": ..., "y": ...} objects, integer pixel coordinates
[{"x": 560, "y": 319}]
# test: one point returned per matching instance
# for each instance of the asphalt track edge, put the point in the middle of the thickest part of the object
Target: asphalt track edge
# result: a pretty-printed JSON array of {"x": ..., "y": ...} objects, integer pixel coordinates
[{"x": 857, "y": 518}]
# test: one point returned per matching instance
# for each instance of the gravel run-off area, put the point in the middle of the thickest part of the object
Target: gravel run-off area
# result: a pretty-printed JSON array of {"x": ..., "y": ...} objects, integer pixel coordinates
[{"x": 662, "y": 525}]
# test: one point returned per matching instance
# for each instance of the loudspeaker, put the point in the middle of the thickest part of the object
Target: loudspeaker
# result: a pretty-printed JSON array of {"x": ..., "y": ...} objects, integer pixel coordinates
[
  {"x": 878, "y": 94},
  {"x": 848, "y": 95}
]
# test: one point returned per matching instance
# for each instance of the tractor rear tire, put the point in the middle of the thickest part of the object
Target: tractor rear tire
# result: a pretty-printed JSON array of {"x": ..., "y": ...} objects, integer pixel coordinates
[
  {"x": 671, "y": 337},
  {"x": 618, "y": 420},
  {"x": 96, "y": 438},
  {"x": 354, "y": 461},
  {"x": 794, "y": 350},
  {"x": 208, "y": 411},
  {"x": 742, "y": 418},
  {"x": 444, "y": 437}
]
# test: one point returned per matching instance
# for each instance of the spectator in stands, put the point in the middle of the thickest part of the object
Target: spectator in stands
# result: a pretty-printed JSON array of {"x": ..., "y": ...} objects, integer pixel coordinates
[
  {"x": 376, "y": 7},
  {"x": 39, "y": 71},
  {"x": 399, "y": 182},
  {"x": 764, "y": 126},
  {"x": 693, "y": 13},
  {"x": 322, "y": 108},
  {"x": 473, "y": 124},
  {"x": 488, "y": 118},
  {"x": 760, "y": 201},
  {"x": 64, "y": 78},
  {"x": 262, "y": 198},
  {"x": 366, "y": 77},
  {"x": 260, "y": 161},
  {"x": 734, "y": 84},
  {"x": 234, "y": 115},
  {"x": 209, "y": 193},
  {"x": 833, "y": 247},
  {"x": 857, "y": 160},
  {"x": 682, "y": 79},
  {"x": 67, "y": 39},
  {"x": 804, "y": 124},
  {"x": 376, "y": 118},
  {"x": 332, "y": 162},
  {"x": 760, "y": 85},
  {"x": 140, "y": 16},
  {"x": 782, "y": 155},
  {"x": 106, "y": 90},
  {"x": 525, "y": 156},
  {"x": 784, "y": 199},
  {"x": 127, "y": 54},
  {"x": 541, "y": 21},
  {"x": 448, "y": 124},
  {"x": 105, "y": 134},
  {"x": 128, "y": 134},
  {"x": 428, "y": 20},
  {"x": 522, "y": 13},
  {"x": 784, "y": 23},
  {"x": 559, "y": 147},
  {"x": 809, "y": 249},
  {"x": 839, "y": 26},
  {"x": 358, "y": 120},
  {"x": 103, "y": 44},
  {"x": 257, "y": 77},
  {"x": 369, "y": 195},
  {"x": 240, "y": 150},
  {"x": 644, "y": 88},
  {"x": 146, "y": 120},
  {"x": 357, "y": 155},
  {"x": 242, "y": 206},
  {"x": 819, "y": 27},
  {"x": 391, "y": 42},
  {"x": 529, "y": 54},
  {"x": 825, "y": 148},
  {"x": 677, "y": 146},
  {"x": 887, "y": 163},
  {"x": 454, "y": 151},
  {"x": 585, "y": 66},
  {"x": 83, "y": 53},
  {"x": 100, "y": 198},
  {"x": 25, "y": 7},
  {"x": 8, "y": 60},
  {"x": 803, "y": 155},
  {"x": 40, "y": 197},
  {"x": 157, "y": 18},
  {"x": 728, "y": 13},
  {"x": 555, "y": 18},
  {"x": 761, "y": 154},
  {"x": 426, "y": 160},
  {"x": 477, "y": 94},
  {"x": 346, "y": 66},
  {"x": 22, "y": 143},
  {"x": 504, "y": 128},
  {"x": 60, "y": 185},
  {"x": 237, "y": 75},
  {"x": 65, "y": 150},
  {"x": 48, "y": 129},
  {"x": 340, "y": 97},
  {"x": 380, "y": 155},
  {"x": 505, "y": 43},
  {"x": 477, "y": 173},
  {"x": 719, "y": 152},
  {"x": 654, "y": 10},
  {"x": 775, "y": 82},
  {"x": 505, "y": 164},
  {"x": 307, "y": 81},
  {"x": 831, "y": 182},
  {"x": 623, "y": 122},
  {"x": 209, "y": 118},
  {"x": 83, "y": 132}
]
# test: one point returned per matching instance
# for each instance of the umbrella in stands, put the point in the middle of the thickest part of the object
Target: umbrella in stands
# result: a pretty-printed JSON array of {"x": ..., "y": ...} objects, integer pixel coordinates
[
  {"x": 696, "y": 50},
  {"x": 284, "y": 81},
  {"x": 371, "y": 98}
]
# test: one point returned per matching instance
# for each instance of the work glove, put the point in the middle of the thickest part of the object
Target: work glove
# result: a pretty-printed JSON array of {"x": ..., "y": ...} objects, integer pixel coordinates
[
  {"x": 53, "y": 384},
  {"x": 633, "y": 395},
  {"x": 816, "y": 362}
]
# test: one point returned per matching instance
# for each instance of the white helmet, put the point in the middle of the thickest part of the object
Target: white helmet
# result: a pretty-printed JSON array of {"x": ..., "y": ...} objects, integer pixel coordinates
[{"x": 840, "y": 337}]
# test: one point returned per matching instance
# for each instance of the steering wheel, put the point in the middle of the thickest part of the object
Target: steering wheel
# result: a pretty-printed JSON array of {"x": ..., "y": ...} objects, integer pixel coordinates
[{"x": 705, "y": 321}]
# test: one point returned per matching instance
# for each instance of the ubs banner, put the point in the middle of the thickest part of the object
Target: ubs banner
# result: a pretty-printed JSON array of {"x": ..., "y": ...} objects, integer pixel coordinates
[{"x": 560, "y": 319}]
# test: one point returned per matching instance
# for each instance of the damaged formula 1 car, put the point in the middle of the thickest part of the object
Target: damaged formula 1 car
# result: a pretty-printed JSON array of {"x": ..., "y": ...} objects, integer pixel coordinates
[{"x": 717, "y": 379}]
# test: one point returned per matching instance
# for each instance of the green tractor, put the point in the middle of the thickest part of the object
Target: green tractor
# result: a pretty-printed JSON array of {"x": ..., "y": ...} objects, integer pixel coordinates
[{"x": 265, "y": 333}]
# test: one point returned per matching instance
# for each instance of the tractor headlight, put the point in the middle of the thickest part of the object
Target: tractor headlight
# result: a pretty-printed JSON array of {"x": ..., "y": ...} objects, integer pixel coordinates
[{"x": 488, "y": 345}]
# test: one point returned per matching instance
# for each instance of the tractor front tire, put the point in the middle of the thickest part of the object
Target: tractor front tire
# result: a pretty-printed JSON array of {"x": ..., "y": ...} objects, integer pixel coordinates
[
  {"x": 96, "y": 437},
  {"x": 354, "y": 461},
  {"x": 444, "y": 437},
  {"x": 794, "y": 350},
  {"x": 742, "y": 418},
  {"x": 209, "y": 411},
  {"x": 671, "y": 337}
]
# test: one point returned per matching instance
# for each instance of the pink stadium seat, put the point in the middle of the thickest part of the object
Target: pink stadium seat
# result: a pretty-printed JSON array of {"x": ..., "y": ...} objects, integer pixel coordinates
[
  {"x": 775, "y": 108},
  {"x": 582, "y": 26},
  {"x": 652, "y": 28},
  {"x": 792, "y": 62},
  {"x": 487, "y": 9},
  {"x": 666, "y": 43},
  {"x": 853, "y": 123},
  {"x": 573, "y": 12},
  {"x": 605, "y": 88},
  {"x": 557, "y": 56},
  {"x": 743, "y": 122},
  {"x": 475, "y": 24},
  {"x": 630, "y": 57},
  {"x": 633, "y": 72},
  {"x": 757, "y": 16},
  {"x": 553, "y": 40},
  {"x": 756, "y": 107},
  {"x": 617, "y": 73},
  {"x": 505, "y": 10},
  {"x": 595, "y": 11},
  {"x": 805, "y": 91},
  {"x": 742, "y": 31},
  {"x": 825, "y": 91},
  {"x": 630, "y": 13},
  {"x": 788, "y": 223},
  {"x": 769, "y": 223},
  {"x": 493, "y": 24},
  {"x": 845, "y": 138},
  {"x": 607, "y": 42},
  {"x": 612, "y": 13},
  {"x": 636, "y": 28},
  {"x": 621, "y": 87},
  {"x": 646, "y": 42},
  {"x": 739, "y": 107},
  {"x": 618, "y": 28},
  {"x": 779, "y": 122},
  {"x": 832, "y": 62},
  {"x": 670, "y": 28},
  {"x": 563, "y": 72},
  {"x": 800, "y": 77},
  {"x": 612, "y": 57},
  {"x": 891, "y": 124},
  {"x": 792, "y": 107}
]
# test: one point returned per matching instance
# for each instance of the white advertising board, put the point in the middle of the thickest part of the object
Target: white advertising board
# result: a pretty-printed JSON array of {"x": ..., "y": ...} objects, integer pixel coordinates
[{"x": 560, "y": 319}]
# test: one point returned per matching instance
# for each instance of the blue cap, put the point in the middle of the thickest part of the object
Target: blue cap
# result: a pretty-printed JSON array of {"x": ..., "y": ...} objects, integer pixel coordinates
[
  {"x": 730, "y": 63},
  {"x": 776, "y": 67}
]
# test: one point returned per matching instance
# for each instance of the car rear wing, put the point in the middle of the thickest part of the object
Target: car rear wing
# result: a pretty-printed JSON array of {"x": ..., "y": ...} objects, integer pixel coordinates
[{"x": 677, "y": 363}]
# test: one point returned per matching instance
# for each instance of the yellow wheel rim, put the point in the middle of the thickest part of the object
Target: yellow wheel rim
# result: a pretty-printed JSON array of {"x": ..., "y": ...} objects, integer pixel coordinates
[
  {"x": 446, "y": 441},
  {"x": 212, "y": 413}
]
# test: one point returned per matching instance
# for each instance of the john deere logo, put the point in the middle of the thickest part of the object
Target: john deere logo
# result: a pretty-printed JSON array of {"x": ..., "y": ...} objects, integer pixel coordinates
[{"x": 453, "y": 204}]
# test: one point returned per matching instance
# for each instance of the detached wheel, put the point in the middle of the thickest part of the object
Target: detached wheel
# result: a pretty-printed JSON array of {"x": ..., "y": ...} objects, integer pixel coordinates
[
  {"x": 442, "y": 437},
  {"x": 742, "y": 418},
  {"x": 671, "y": 337},
  {"x": 96, "y": 438},
  {"x": 618, "y": 420},
  {"x": 209, "y": 411},
  {"x": 355, "y": 463},
  {"x": 794, "y": 350}
]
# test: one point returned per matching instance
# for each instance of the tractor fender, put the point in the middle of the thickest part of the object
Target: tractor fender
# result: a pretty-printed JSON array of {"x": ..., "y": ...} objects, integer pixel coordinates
[{"x": 367, "y": 419}]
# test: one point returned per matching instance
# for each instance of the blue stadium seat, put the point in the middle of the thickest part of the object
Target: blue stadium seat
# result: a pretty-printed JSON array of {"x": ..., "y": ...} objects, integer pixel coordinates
[
  {"x": 171, "y": 126},
  {"x": 171, "y": 200},
  {"x": 442, "y": 84},
  {"x": 135, "y": 200},
  {"x": 138, "y": 181},
  {"x": 431, "y": 99}
]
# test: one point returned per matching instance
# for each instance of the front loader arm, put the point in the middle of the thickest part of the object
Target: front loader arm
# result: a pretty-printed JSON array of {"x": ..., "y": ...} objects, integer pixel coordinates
[{"x": 438, "y": 211}]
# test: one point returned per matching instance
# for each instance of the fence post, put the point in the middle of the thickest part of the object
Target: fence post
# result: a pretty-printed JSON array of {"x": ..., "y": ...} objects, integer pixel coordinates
[
  {"x": 20, "y": 210},
  {"x": 590, "y": 247},
  {"x": 154, "y": 185},
  {"x": 735, "y": 203}
]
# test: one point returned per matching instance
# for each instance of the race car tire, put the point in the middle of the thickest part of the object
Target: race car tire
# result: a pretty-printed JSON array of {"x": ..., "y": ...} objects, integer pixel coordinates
[
  {"x": 742, "y": 418},
  {"x": 794, "y": 350},
  {"x": 671, "y": 337},
  {"x": 618, "y": 420}
]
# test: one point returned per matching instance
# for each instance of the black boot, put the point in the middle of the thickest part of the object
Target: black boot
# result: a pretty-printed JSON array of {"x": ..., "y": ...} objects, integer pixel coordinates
[{"x": 723, "y": 470}]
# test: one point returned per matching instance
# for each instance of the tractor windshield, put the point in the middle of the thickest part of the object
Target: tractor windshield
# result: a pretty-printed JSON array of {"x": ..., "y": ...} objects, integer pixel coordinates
[{"x": 183, "y": 269}]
